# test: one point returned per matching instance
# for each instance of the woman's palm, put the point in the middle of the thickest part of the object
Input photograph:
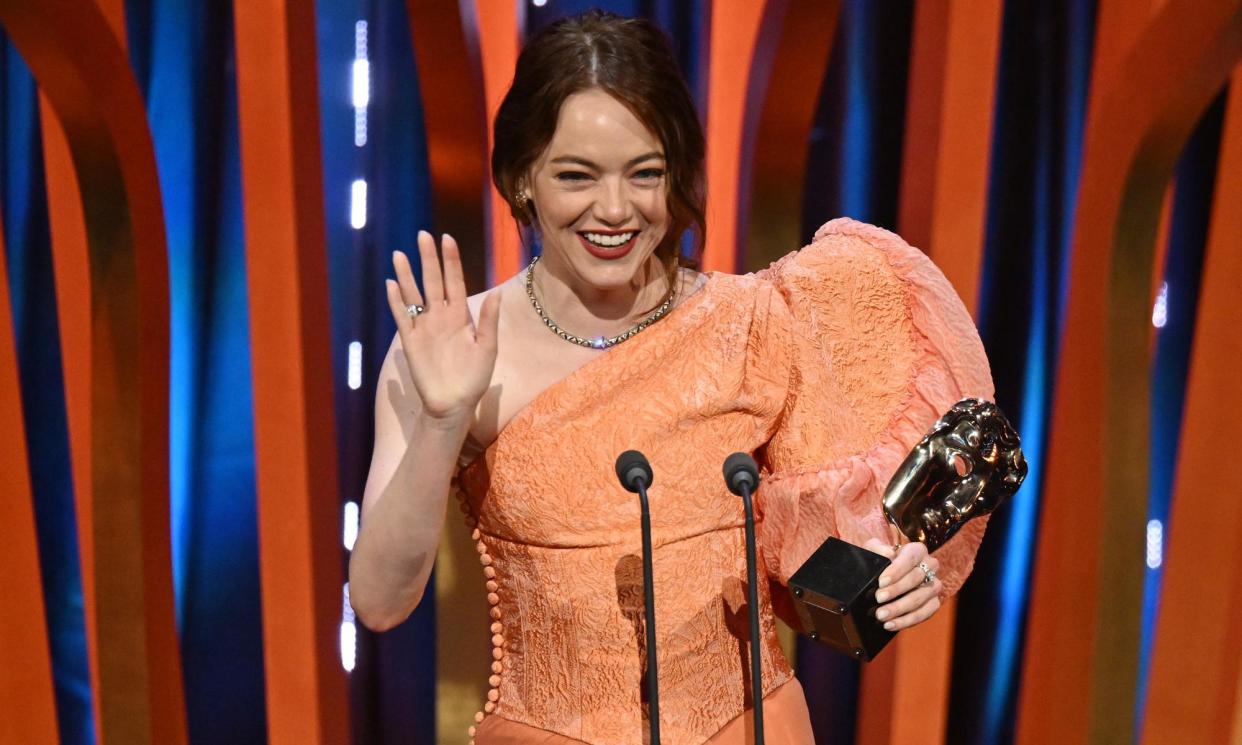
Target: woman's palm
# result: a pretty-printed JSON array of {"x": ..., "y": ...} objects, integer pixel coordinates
[{"x": 450, "y": 358}]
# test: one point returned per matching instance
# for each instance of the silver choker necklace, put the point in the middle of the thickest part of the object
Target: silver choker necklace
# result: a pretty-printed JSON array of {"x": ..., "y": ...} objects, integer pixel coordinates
[{"x": 599, "y": 342}]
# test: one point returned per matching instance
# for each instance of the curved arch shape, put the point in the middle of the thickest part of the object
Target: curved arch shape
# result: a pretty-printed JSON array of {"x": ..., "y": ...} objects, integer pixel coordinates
[
  {"x": 25, "y": 655},
  {"x": 84, "y": 73},
  {"x": 785, "y": 78},
  {"x": 1193, "y": 624},
  {"x": 1080, "y": 677}
]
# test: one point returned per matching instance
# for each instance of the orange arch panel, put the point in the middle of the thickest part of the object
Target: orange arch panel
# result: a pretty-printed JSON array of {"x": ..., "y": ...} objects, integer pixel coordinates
[
  {"x": 1080, "y": 674},
  {"x": 295, "y": 432}
]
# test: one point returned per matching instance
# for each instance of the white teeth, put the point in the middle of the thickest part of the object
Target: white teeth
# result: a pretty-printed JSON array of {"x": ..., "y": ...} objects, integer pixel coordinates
[{"x": 609, "y": 241}]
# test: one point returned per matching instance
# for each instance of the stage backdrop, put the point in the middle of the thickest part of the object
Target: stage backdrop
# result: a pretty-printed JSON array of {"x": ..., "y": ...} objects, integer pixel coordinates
[{"x": 198, "y": 205}]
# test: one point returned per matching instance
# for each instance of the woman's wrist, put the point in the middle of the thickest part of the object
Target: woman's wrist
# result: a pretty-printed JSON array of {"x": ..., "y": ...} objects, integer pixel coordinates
[{"x": 452, "y": 426}]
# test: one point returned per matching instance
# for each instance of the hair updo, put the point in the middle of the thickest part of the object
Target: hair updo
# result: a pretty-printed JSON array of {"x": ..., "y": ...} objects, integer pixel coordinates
[{"x": 630, "y": 59}]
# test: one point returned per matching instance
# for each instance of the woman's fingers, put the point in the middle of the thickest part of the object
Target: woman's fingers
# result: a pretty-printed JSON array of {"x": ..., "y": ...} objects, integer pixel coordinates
[
  {"x": 911, "y": 608},
  {"x": 454, "y": 282},
  {"x": 905, "y": 574},
  {"x": 397, "y": 305},
  {"x": 405, "y": 280},
  {"x": 433, "y": 282},
  {"x": 489, "y": 322},
  {"x": 903, "y": 563}
]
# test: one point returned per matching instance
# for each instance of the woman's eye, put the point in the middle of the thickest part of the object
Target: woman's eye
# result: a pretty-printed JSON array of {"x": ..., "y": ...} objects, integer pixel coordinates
[
  {"x": 649, "y": 174},
  {"x": 573, "y": 176}
]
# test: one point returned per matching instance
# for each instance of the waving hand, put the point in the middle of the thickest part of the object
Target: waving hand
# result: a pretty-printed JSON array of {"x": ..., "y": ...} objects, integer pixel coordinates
[{"x": 449, "y": 358}]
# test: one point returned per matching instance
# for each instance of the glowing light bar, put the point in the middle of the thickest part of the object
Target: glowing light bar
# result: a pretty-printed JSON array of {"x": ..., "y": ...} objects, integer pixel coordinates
[
  {"x": 349, "y": 634},
  {"x": 1160, "y": 311},
  {"x": 361, "y": 83},
  {"x": 1155, "y": 544},
  {"x": 351, "y": 525},
  {"x": 358, "y": 204},
  {"x": 354, "y": 368}
]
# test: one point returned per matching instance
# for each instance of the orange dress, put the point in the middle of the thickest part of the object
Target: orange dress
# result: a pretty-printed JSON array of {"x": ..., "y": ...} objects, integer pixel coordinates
[{"x": 828, "y": 366}]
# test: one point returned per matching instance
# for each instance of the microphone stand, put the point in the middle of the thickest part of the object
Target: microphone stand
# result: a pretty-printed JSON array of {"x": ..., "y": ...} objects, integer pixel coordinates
[
  {"x": 752, "y": 600},
  {"x": 653, "y": 675},
  {"x": 634, "y": 473},
  {"x": 741, "y": 475}
]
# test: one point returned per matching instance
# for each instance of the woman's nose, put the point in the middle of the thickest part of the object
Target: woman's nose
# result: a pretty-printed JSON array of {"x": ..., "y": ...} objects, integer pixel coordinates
[{"x": 613, "y": 205}]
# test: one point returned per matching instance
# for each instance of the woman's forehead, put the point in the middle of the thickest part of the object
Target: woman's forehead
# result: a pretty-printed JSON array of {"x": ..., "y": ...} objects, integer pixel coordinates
[{"x": 595, "y": 126}]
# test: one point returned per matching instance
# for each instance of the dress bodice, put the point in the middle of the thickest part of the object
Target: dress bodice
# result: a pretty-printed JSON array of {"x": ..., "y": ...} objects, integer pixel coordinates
[{"x": 827, "y": 366}]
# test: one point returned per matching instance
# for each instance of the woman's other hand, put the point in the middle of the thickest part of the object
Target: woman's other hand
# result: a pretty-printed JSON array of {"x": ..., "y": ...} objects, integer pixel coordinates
[
  {"x": 909, "y": 592},
  {"x": 449, "y": 358}
]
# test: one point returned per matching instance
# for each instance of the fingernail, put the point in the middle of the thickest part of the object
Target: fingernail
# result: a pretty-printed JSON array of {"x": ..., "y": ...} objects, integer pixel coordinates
[
  {"x": 881, "y": 596},
  {"x": 883, "y": 581},
  {"x": 881, "y": 614},
  {"x": 890, "y": 625},
  {"x": 421, "y": 233},
  {"x": 443, "y": 237}
]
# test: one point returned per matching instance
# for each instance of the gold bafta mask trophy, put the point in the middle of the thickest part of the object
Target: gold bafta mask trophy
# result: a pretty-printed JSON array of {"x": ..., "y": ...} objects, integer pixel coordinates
[{"x": 968, "y": 464}]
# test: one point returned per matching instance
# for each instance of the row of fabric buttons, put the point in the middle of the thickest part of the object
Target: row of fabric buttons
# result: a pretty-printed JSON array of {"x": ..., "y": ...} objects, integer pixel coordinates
[{"x": 493, "y": 599}]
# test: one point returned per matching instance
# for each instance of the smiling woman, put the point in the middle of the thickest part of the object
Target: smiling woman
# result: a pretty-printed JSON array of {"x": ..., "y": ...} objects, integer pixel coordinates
[{"x": 828, "y": 367}]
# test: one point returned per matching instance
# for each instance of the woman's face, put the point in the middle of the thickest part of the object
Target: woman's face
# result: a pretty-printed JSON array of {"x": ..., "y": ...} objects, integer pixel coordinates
[{"x": 599, "y": 191}]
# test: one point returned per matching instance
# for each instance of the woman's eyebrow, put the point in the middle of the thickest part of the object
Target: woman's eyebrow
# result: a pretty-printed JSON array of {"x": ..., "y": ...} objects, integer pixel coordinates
[{"x": 584, "y": 162}]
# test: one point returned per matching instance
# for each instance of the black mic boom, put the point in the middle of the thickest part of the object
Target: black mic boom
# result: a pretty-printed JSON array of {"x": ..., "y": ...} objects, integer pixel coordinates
[
  {"x": 634, "y": 473},
  {"x": 632, "y": 466},
  {"x": 742, "y": 477}
]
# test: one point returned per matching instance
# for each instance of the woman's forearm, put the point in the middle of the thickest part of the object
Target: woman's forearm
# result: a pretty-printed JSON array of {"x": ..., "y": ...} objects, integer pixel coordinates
[{"x": 403, "y": 515}]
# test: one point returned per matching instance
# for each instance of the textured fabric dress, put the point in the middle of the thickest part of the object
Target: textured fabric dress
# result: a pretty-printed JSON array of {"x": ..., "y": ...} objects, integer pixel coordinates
[{"x": 828, "y": 367}]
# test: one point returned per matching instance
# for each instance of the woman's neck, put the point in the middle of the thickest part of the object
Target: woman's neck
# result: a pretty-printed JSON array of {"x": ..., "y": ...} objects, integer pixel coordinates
[{"x": 584, "y": 309}]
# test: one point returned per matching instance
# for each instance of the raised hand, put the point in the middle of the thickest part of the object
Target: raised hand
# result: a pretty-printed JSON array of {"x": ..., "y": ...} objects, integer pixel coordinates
[
  {"x": 909, "y": 592},
  {"x": 449, "y": 358}
]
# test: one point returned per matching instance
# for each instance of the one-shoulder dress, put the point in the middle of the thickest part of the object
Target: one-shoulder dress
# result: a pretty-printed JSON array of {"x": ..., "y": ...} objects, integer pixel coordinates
[{"x": 828, "y": 366}]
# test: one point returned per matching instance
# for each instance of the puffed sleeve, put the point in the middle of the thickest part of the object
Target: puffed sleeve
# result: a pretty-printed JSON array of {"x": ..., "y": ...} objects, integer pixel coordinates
[{"x": 879, "y": 346}]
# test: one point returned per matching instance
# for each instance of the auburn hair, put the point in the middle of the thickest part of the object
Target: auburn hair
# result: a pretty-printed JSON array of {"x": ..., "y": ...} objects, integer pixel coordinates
[{"x": 631, "y": 60}]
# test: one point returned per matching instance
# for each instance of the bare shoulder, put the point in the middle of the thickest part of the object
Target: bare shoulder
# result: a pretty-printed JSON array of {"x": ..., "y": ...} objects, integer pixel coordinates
[{"x": 475, "y": 302}]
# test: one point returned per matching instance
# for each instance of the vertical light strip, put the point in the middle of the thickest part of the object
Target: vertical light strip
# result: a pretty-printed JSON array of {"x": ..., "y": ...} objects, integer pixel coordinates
[
  {"x": 350, "y": 530},
  {"x": 349, "y": 633},
  {"x": 349, "y": 627},
  {"x": 361, "y": 98},
  {"x": 358, "y": 204},
  {"x": 361, "y": 83},
  {"x": 353, "y": 370},
  {"x": 1160, "y": 310},
  {"x": 1155, "y": 544}
]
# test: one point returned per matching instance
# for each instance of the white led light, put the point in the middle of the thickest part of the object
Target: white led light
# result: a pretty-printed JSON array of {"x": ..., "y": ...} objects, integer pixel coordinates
[
  {"x": 1160, "y": 311},
  {"x": 360, "y": 40},
  {"x": 1155, "y": 544},
  {"x": 358, "y": 204},
  {"x": 349, "y": 634},
  {"x": 349, "y": 645},
  {"x": 360, "y": 127},
  {"x": 351, "y": 525},
  {"x": 362, "y": 83},
  {"x": 354, "y": 367},
  {"x": 539, "y": 3}
]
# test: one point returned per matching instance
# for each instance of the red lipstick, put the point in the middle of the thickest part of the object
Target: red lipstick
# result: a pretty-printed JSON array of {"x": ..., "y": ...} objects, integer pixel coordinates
[{"x": 610, "y": 252}]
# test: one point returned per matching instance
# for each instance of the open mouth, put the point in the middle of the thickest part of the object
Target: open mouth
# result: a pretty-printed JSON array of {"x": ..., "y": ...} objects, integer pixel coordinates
[{"x": 608, "y": 245}]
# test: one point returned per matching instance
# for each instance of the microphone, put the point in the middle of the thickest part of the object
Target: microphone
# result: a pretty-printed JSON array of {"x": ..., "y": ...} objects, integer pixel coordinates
[
  {"x": 634, "y": 473},
  {"x": 632, "y": 466},
  {"x": 741, "y": 475}
]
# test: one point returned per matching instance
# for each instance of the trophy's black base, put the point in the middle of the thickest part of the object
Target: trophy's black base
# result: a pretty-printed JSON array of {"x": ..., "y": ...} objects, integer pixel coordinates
[{"x": 834, "y": 593}]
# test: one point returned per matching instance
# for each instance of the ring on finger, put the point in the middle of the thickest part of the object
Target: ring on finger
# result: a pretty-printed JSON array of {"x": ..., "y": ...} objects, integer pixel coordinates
[
  {"x": 929, "y": 574},
  {"x": 414, "y": 310}
]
